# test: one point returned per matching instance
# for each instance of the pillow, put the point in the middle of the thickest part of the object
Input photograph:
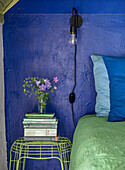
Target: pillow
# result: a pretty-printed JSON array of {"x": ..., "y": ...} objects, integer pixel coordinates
[
  {"x": 116, "y": 71},
  {"x": 102, "y": 106}
]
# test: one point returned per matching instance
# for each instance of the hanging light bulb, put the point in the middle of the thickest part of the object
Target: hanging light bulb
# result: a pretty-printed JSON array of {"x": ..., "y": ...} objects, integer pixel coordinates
[
  {"x": 75, "y": 22},
  {"x": 73, "y": 37}
]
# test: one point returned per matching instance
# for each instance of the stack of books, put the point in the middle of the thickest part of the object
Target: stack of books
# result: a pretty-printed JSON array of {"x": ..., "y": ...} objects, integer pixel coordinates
[{"x": 40, "y": 127}]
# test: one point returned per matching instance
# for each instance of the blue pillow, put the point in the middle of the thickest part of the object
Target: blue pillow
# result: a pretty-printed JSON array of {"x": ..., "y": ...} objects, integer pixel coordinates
[
  {"x": 102, "y": 106},
  {"x": 116, "y": 71}
]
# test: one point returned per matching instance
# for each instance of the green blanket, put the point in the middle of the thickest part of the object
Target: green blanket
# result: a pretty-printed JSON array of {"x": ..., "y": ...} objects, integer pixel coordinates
[{"x": 98, "y": 145}]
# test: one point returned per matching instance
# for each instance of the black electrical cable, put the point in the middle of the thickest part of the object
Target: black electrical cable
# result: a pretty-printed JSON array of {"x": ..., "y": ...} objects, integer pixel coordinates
[
  {"x": 75, "y": 68},
  {"x": 73, "y": 95},
  {"x": 73, "y": 115},
  {"x": 75, "y": 22}
]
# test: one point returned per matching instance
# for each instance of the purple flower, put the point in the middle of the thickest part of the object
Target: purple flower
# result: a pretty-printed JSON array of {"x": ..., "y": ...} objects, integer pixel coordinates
[
  {"x": 46, "y": 80},
  {"x": 42, "y": 87},
  {"x": 48, "y": 84},
  {"x": 37, "y": 82}
]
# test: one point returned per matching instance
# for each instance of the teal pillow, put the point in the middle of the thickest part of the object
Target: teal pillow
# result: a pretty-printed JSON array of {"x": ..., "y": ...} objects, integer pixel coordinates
[{"x": 102, "y": 106}]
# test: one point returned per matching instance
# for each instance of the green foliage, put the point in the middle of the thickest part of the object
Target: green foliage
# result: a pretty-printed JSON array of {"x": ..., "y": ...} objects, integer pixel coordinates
[{"x": 32, "y": 86}]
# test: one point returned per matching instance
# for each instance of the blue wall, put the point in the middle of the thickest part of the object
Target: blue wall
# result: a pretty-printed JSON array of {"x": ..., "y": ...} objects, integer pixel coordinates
[
  {"x": 64, "y": 6},
  {"x": 37, "y": 45}
]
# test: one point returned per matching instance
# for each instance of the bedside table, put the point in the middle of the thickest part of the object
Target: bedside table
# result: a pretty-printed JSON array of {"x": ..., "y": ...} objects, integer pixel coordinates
[{"x": 22, "y": 150}]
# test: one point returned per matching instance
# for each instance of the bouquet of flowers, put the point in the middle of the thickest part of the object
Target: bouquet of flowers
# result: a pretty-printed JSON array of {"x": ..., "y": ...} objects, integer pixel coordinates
[{"x": 40, "y": 88}]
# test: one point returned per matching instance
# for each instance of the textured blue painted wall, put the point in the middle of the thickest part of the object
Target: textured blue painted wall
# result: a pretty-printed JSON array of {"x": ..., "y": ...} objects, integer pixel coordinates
[
  {"x": 37, "y": 45},
  {"x": 64, "y": 6}
]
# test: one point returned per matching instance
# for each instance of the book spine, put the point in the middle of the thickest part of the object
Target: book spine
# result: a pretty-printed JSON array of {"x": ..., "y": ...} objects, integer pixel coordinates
[
  {"x": 40, "y": 115},
  {"x": 40, "y": 132},
  {"x": 41, "y": 126},
  {"x": 33, "y": 123},
  {"x": 40, "y": 120},
  {"x": 46, "y": 138}
]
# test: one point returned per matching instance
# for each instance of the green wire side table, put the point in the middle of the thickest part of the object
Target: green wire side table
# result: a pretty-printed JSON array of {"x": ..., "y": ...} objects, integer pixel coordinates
[{"x": 22, "y": 150}]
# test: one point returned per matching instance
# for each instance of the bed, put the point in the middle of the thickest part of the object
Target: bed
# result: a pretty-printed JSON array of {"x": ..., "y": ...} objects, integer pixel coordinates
[
  {"x": 99, "y": 140},
  {"x": 98, "y": 144}
]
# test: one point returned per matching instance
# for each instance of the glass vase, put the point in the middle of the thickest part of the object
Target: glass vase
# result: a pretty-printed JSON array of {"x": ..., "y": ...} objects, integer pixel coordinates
[{"x": 41, "y": 106}]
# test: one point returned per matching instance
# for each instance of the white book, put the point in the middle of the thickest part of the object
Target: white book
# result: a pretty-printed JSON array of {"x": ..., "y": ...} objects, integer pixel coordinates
[
  {"x": 40, "y": 132},
  {"x": 34, "y": 122}
]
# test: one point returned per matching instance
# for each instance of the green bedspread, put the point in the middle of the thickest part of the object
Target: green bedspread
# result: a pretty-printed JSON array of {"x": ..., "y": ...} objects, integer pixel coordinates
[{"x": 98, "y": 144}]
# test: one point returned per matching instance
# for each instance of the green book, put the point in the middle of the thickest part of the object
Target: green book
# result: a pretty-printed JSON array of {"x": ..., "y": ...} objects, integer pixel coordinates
[{"x": 33, "y": 114}]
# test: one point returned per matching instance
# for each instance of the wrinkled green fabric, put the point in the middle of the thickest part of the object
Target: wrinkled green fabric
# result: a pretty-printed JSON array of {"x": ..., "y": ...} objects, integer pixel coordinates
[{"x": 98, "y": 145}]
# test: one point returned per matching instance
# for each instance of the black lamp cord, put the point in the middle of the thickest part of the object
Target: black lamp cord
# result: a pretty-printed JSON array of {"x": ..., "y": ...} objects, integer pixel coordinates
[
  {"x": 75, "y": 22},
  {"x": 75, "y": 68},
  {"x": 72, "y": 95},
  {"x": 73, "y": 115}
]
